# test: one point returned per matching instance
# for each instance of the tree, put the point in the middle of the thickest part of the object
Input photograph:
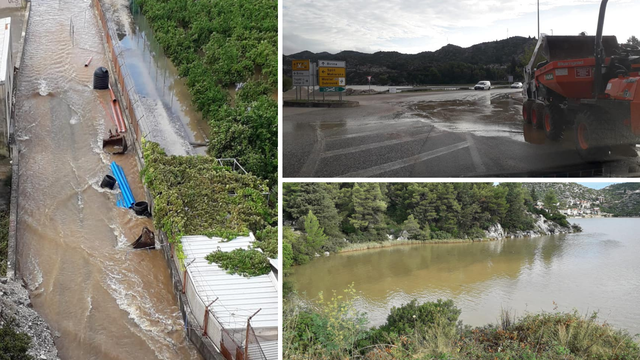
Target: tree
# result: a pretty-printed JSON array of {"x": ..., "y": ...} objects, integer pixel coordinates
[
  {"x": 368, "y": 206},
  {"x": 551, "y": 201},
  {"x": 412, "y": 227},
  {"x": 633, "y": 41},
  {"x": 287, "y": 249},
  {"x": 515, "y": 218},
  {"x": 13, "y": 345},
  {"x": 315, "y": 236},
  {"x": 299, "y": 199}
]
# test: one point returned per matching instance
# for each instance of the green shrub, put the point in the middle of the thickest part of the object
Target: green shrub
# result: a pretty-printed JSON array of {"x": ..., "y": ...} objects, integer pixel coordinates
[
  {"x": 242, "y": 262},
  {"x": 13, "y": 345}
]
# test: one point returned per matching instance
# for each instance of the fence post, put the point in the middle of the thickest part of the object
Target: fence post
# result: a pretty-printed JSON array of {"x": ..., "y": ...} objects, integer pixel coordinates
[
  {"x": 184, "y": 276},
  {"x": 246, "y": 338},
  {"x": 206, "y": 317}
]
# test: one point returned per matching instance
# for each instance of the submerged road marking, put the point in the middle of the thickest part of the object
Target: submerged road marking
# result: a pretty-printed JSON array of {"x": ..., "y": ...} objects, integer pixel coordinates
[
  {"x": 309, "y": 167},
  {"x": 475, "y": 156},
  {"x": 380, "y": 131},
  {"x": 406, "y": 162},
  {"x": 372, "y": 146}
]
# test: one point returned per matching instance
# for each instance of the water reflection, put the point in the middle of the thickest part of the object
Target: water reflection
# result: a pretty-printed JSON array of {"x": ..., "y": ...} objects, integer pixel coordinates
[{"x": 520, "y": 274}]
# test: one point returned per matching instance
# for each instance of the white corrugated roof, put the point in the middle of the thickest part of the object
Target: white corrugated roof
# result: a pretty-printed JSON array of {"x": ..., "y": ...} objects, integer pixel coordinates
[
  {"x": 5, "y": 40},
  {"x": 238, "y": 297}
]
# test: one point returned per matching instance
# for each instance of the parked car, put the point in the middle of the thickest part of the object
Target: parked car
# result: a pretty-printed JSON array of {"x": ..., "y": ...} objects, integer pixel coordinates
[
  {"x": 483, "y": 85},
  {"x": 516, "y": 85}
]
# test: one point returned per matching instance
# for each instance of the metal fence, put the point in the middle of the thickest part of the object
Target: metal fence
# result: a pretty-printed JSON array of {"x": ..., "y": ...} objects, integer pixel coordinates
[{"x": 234, "y": 344}]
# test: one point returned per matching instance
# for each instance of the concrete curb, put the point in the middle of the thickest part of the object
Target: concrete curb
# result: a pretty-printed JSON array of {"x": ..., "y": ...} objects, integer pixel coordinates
[{"x": 12, "y": 253}]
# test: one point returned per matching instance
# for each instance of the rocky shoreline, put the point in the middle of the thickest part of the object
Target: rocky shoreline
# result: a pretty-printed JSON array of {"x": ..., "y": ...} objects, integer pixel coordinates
[{"x": 15, "y": 304}]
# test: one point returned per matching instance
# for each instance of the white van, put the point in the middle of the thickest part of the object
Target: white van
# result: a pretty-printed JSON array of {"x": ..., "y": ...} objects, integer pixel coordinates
[{"x": 483, "y": 85}]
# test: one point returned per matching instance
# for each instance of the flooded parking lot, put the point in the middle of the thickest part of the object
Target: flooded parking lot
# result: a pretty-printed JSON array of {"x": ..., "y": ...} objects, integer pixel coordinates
[{"x": 431, "y": 134}]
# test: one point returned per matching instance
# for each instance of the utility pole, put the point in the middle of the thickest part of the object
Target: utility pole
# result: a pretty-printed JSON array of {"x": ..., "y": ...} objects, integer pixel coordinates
[{"x": 538, "y": 19}]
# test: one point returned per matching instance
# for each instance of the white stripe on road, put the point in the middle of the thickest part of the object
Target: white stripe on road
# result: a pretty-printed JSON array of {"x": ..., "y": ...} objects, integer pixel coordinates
[
  {"x": 309, "y": 167},
  {"x": 406, "y": 162},
  {"x": 475, "y": 156},
  {"x": 380, "y": 131},
  {"x": 373, "y": 146}
]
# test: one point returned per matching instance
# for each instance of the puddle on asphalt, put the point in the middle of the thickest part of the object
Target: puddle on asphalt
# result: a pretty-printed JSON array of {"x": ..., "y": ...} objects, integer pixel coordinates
[{"x": 494, "y": 115}]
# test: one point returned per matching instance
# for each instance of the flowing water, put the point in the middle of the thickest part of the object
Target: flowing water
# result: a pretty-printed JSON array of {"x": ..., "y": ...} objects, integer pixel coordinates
[
  {"x": 103, "y": 300},
  {"x": 596, "y": 270}
]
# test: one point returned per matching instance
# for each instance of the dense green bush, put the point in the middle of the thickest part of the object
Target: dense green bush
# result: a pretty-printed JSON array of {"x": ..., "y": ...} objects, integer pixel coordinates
[
  {"x": 432, "y": 331},
  {"x": 193, "y": 195},
  {"x": 216, "y": 45},
  {"x": 13, "y": 345},
  {"x": 241, "y": 261}
]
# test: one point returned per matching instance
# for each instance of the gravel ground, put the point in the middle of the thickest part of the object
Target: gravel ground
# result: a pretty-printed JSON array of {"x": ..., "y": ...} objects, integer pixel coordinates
[{"x": 15, "y": 303}]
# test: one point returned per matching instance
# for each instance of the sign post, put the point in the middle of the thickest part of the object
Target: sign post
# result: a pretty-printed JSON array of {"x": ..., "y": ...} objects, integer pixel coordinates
[
  {"x": 369, "y": 78},
  {"x": 301, "y": 76},
  {"x": 332, "y": 77}
]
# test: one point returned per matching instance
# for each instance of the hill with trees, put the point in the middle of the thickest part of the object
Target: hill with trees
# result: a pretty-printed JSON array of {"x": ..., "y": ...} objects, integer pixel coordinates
[
  {"x": 332, "y": 216},
  {"x": 451, "y": 64}
]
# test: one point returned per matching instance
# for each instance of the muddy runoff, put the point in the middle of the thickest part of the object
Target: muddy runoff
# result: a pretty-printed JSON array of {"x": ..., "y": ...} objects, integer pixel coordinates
[{"x": 102, "y": 299}]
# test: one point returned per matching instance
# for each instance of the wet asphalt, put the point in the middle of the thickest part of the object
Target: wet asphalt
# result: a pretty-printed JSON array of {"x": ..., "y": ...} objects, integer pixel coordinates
[{"x": 462, "y": 133}]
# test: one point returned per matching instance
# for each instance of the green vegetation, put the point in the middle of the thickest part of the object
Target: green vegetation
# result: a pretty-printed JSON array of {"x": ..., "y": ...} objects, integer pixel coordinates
[
  {"x": 13, "y": 345},
  {"x": 330, "y": 217},
  {"x": 216, "y": 45},
  {"x": 193, "y": 195},
  {"x": 333, "y": 329},
  {"x": 242, "y": 262},
  {"x": 4, "y": 241}
]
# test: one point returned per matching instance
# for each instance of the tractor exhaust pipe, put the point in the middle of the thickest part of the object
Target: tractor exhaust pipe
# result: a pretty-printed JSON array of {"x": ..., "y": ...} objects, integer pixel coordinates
[{"x": 599, "y": 49}]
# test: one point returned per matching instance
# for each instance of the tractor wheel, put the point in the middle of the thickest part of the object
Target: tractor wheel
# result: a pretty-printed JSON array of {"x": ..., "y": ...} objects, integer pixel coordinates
[
  {"x": 537, "y": 111},
  {"x": 590, "y": 138},
  {"x": 526, "y": 111},
  {"x": 553, "y": 122}
]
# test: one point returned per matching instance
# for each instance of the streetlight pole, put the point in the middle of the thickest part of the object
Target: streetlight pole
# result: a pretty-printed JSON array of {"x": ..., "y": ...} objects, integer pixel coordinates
[{"x": 538, "y": 19}]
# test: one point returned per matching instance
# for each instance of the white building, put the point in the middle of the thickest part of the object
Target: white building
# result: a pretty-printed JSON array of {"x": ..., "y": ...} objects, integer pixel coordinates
[
  {"x": 6, "y": 84},
  {"x": 232, "y": 299}
]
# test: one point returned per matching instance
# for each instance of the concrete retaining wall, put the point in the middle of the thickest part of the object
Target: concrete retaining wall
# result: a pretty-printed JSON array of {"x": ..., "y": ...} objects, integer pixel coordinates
[{"x": 12, "y": 258}]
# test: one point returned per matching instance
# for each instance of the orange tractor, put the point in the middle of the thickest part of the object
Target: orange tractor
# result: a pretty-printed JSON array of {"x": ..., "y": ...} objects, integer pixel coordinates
[{"x": 588, "y": 84}]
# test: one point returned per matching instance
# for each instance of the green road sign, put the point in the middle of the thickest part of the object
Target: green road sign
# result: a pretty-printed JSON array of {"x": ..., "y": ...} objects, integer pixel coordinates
[{"x": 332, "y": 89}]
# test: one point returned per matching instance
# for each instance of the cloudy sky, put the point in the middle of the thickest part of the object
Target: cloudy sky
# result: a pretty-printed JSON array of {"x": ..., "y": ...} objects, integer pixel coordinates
[{"x": 427, "y": 25}]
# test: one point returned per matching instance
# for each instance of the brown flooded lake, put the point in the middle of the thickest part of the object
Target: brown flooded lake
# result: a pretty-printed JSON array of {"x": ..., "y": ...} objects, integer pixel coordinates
[{"x": 596, "y": 270}]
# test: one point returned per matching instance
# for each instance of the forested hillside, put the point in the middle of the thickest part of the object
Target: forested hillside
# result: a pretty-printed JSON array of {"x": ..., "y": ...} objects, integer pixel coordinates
[
  {"x": 622, "y": 199},
  {"x": 451, "y": 64},
  {"x": 334, "y": 215}
]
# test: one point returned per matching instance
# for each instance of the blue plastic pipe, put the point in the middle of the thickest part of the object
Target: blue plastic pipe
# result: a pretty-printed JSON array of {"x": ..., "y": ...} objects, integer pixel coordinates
[{"x": 127, "y": 196}]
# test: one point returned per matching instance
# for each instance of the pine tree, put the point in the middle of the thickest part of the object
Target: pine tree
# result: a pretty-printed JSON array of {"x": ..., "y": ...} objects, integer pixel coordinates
[
  {"x": 369, "y": 207},
  {"x": 299, "y": 199},
  {"x": 315, "y": 236}
]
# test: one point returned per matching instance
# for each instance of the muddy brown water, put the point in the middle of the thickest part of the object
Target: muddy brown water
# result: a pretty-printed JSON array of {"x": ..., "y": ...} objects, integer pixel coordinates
[
  {"x": 596, "y": 270},
  {"x": 103, "y": 300}
]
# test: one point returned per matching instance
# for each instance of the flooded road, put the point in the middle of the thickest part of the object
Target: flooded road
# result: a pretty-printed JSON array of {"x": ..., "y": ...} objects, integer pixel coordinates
[
  {"x": 102, "y": 299},
  {"x": 596, "y": 270},
  {"x": 430, "y": 134}
]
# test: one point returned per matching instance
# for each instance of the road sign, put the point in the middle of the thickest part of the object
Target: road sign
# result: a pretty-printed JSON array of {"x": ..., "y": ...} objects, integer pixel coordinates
[
  {"x": 332, "y": 81},
  {"x": 300, "y": 65},
  {"x": 331, "y": 71},
  {"x": 302, "y": 81},
  {"x": 301, "y": 73},
  {"x": 332, "y": 89},
  {"x": 331, "y": 63}
]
